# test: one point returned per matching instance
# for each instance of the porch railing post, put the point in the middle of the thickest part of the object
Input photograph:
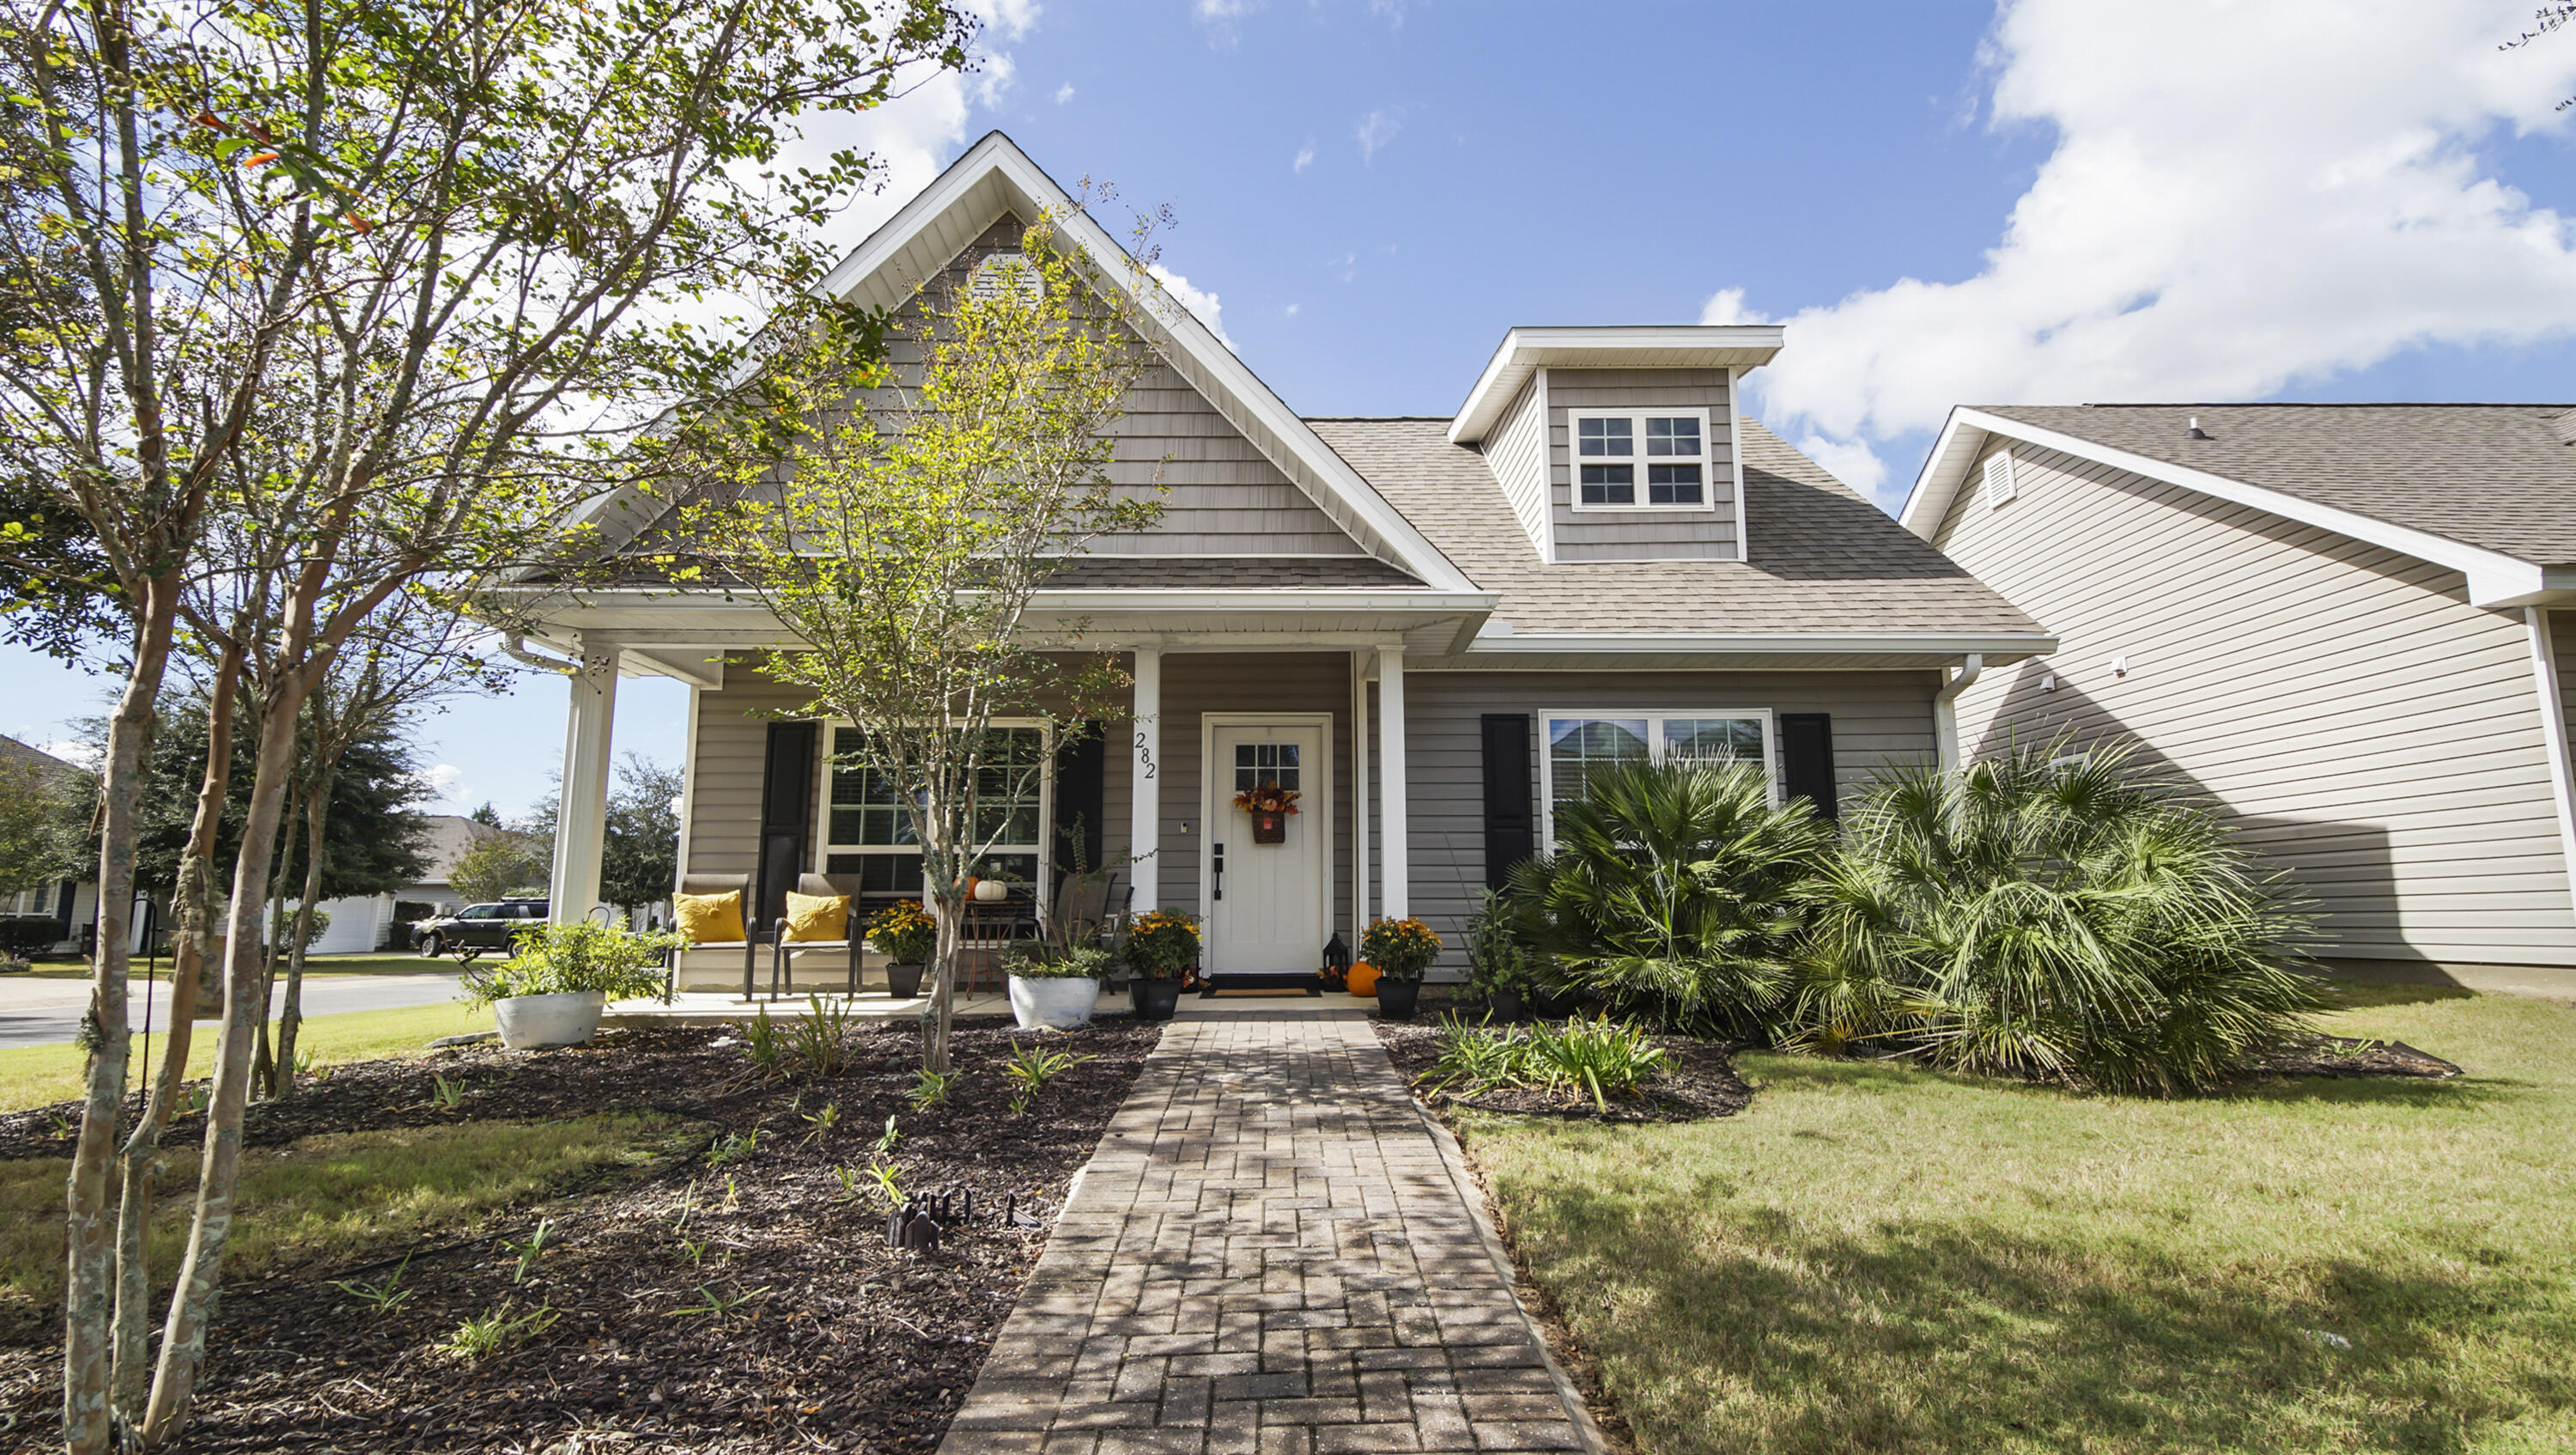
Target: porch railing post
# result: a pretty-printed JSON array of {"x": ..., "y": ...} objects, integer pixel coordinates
[{"x": 1145, "y": 784}]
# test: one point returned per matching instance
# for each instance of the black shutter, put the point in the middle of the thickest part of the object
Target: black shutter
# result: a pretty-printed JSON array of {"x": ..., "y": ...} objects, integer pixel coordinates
[
  {"x": 1511, "y": 800},
  {"x": 63, "y": 910},
  {"x": 786, "y": 805},
  {"x": 1081, "y": 795},
  {"x": 1807, "y": 759}
]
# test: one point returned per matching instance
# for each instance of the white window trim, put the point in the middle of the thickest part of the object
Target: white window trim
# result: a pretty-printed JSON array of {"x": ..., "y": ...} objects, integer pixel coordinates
[
  {"x": 1654, "y": 718},
  {"x": 824, "y": 848},
  {"x": 1637, "y": 418}
]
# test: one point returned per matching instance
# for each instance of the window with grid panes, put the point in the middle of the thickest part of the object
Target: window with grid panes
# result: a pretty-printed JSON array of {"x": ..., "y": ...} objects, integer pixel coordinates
[
  {"x": 1581, "y": 748},
  {"x": 1258, "y": 763},
  {"x": 868, "y": 830},
  {"x": 1669, "y": 448}
]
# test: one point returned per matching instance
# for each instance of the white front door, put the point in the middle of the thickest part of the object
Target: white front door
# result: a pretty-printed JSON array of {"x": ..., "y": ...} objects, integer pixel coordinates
[{"x": 1266, "y": 907}]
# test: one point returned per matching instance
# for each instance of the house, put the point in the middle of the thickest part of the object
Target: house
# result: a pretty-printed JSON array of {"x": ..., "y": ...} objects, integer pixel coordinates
[
  {"x": 369, "y": 922},
  {"x": 2348, "y": 625},
  {"x": 1433, "y": 628},
  {"x": 72, "y": 902}
]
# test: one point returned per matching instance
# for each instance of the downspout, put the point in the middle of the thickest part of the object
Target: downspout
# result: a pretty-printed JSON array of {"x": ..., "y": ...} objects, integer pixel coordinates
[
  {"x": 2553, "y": 728},
  {"x": 512, "y": 644},
  {"x": 1945, "y": 709}
]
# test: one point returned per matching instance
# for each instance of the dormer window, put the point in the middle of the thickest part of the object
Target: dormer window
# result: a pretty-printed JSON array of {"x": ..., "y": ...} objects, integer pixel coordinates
[{"x": 1641, "y": 461}]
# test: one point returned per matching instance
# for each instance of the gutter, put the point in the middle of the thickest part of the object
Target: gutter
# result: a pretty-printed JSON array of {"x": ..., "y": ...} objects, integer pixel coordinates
[{"x": 1945, "y": 710}]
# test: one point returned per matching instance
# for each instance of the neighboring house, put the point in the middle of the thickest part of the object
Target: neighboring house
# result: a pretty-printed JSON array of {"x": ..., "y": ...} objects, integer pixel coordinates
[
  {"x": 73, "y": 901},
  {"x": 363, "y": 923},
  {"x": 1434, "y": 628},
  {"x": 2336, "y": 620}
]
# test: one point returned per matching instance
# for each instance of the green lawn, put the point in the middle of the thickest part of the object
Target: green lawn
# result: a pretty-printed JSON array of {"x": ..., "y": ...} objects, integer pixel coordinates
[
  {"x": 319, "y": 965},
  {"x": 37, "y": 1075},
  {"x": 1873, "y": 1259}
]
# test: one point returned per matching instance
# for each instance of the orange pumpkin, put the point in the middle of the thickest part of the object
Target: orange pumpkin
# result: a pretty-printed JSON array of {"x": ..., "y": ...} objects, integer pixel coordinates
[{"x": 1362, "y": 979}]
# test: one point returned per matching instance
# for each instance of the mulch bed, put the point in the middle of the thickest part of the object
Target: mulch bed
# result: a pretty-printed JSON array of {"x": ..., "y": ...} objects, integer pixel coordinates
[
  {"x": 832, "y": 1340},
  {"x": 1699, "y": 1082},
  {"x": 2320, "y": 1055}
]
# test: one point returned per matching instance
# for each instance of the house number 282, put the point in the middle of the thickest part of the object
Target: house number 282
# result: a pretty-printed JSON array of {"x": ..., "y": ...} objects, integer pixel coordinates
[{"x": 1145, "y": 754}]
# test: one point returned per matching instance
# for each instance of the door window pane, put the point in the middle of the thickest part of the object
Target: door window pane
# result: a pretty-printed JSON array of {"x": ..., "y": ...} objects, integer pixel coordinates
[{"x": 1258, "y": 763}]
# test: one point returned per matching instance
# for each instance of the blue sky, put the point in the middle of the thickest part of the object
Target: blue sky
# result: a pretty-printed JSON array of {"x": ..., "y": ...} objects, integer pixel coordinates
[{"x": 2043, "y": 201}]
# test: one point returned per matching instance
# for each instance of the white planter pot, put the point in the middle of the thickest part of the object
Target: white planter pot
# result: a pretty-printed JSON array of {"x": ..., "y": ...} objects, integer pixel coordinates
[
  {"x": 529, "y": 1021},
  {"x": 1058, "y": 1005}
]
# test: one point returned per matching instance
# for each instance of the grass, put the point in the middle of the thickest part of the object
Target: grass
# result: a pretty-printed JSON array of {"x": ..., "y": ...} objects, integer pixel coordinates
[
  {"x": 39, "y": 1075},
  {"x": 329, "y": 1198},
  {"x": 1877, "y": 1259}
]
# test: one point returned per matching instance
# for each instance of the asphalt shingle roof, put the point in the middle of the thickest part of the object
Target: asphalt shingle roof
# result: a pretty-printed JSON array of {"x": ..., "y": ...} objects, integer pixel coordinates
[
  {"x": 1823, "y": 558},
  {"x": 2497, "y": 476}
]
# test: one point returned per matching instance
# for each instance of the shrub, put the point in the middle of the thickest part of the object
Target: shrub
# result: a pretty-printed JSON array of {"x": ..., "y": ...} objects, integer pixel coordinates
[
  {"x": 1162, "y": 943},
  {"x": 1675, "y": 888},
  {"x": 1497, "y": 961},
  {"x": 1050, "y": 962},
  {"x": 561, "y": 959},
  {"x": 1600, "y": 1058},
  {"x": 1401, "y": 949},
  {"x": 2031, "y": 916},
  {"x": 904, "y": 932}
]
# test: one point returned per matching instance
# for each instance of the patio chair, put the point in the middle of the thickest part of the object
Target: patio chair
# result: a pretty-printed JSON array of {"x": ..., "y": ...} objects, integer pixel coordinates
[
  {"x": 735, "y": 884},
  {"x": 985, "y": 938},
  {"x": 782, "y": 950}
]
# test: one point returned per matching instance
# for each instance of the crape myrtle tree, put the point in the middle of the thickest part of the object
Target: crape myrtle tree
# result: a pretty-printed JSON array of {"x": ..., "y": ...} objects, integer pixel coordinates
[
  {"x": 916, "y": 511},
  {"x": 397, "y": 287}
]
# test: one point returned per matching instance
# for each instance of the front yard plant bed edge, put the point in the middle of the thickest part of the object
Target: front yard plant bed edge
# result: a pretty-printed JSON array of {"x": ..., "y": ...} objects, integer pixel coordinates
[{"x": 752, "y": 1305}]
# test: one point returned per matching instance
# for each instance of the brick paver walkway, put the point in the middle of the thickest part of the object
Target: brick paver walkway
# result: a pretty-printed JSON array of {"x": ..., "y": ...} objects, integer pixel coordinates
[{"x": 1268, "y": 1253}]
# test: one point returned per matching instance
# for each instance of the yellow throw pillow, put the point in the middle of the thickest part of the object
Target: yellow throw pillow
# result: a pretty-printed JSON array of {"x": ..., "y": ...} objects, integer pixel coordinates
[
  {"x": 818, "y": 917},
  {"x": 710, "y": 919}
]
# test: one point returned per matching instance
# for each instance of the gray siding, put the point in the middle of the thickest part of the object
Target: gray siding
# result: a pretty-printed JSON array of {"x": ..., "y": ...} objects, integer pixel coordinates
[
  {"x": 1515, "y": 451},
  {"x": 1644, "y": 535},
  {"x": 2373, "y": 734},
  {"x": 1879, "y": 718},
  {"x": 1222, "y": 497}
]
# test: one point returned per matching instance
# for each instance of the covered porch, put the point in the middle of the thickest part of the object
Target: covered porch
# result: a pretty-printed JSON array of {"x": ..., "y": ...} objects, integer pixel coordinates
[{"x": 1230, "y": 691}]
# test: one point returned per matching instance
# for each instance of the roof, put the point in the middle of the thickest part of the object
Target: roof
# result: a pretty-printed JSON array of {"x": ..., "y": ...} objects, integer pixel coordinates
[
  {"x": 1824, "y": 560},
  {"x": 450, "y": 835},
  {"x": 2482, "y": 487},
  {"x": 14, "y": 751},
  {"x": 1525, "y": 351}
]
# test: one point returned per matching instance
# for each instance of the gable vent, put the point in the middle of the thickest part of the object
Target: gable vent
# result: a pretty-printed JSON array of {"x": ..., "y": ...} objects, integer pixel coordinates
[
  {"x": 1005, "y": 275},
  {"x": 1999, "y": 478}
]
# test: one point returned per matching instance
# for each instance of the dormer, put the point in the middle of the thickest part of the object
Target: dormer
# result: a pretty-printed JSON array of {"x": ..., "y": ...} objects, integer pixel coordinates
[{"x": 1619, "y": 444}]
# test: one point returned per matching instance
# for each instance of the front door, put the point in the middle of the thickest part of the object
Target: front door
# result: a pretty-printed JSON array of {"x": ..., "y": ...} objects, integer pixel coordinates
[{"x": 1266, "y": 907}]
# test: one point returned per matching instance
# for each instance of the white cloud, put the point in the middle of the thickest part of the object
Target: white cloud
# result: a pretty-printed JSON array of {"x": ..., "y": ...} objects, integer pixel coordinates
[
  {"x": 1726, "y": 305},
  {"x": 1850, "y": 461},
  {"x": 1222, "y": 18},
  {"x": 2240, "y": 197},
  {"x": 1377, "y": 129},
  {"x": 1013, "y": 18},
  {"x": 1064, "y": 93},
  {"x": 1305, "y": 158},
  {"x": 1201, "y": 303},
  {"x": 1292, "y": 308},
  {"x": 446, "y": 783}
]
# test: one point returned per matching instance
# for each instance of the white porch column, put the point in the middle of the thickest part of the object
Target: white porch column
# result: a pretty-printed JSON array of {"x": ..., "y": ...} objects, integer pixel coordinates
[
  {"x": 1394, "y": 878},
  {"x": 1145, "y": 783},
  {"x": 581, "y": 816}
]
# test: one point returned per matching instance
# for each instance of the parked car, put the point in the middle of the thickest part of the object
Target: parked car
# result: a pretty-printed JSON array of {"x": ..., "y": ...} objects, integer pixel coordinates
[{"x": 478, "y": 927}]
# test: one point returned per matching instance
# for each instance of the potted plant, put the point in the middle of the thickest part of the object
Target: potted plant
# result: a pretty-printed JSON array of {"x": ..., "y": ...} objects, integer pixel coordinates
[
  {"x": 907, "y": 936},
  {"x": 1054, "y": 988},
  {"x": 1499, "y": 966},
  {"x": 1270, "y": 805},
  {"x": 1401, "y": 949},
  {"x": 559, "y": 978},
  {"x": 1161, "y": 948}
]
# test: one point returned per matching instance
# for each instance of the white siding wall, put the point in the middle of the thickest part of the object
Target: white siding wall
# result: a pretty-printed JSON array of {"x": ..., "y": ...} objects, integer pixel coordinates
[
  {"x": 1516, "y": 453},
  {"x": 2368, "y": 729},
  {"x": 1642, "y": 535}
]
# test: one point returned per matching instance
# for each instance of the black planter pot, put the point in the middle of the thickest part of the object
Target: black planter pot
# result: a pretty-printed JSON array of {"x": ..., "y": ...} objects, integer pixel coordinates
[
  {"x": 1156, "y": 1000},
  {"x": 1397, "y": 998},
  {"x": 1504, "y": 1004},
  {"x": 903, "y": 982}
]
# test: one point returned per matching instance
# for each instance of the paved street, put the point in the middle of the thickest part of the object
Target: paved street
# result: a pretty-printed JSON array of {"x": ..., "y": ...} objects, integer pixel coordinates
[
  {"x": 42, "y": 1012},
  {"x": 1270, "y": 1252}
]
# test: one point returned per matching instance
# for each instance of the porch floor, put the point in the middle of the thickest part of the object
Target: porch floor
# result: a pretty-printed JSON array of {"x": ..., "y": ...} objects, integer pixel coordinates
[{"x": 717, "y": 1007}]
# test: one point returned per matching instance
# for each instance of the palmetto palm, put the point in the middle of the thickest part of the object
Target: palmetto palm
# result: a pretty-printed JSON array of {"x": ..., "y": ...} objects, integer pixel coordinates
[
  {"x": 2038, "y": 916},
  {"x": 1673, "y": 888}
]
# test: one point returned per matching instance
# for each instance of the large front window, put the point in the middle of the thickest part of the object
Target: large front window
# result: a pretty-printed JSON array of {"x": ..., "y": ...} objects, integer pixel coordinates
[
  {"x": 867, "y": 827},
  {"x": 1580, "y": 749},
  {"x": 1642, "y": 461}
]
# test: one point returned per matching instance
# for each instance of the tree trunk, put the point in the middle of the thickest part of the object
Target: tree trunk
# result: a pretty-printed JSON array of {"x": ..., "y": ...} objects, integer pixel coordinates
[
  {"x": 263, "y": 1063},
  {"x": 196, "y": 884},
  {"x": 88, "y": 1427},
  {"x": 183, "y": 1337},
  {"x": 943, "y": 984},
  {"x": 291, "y": 1015}
]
